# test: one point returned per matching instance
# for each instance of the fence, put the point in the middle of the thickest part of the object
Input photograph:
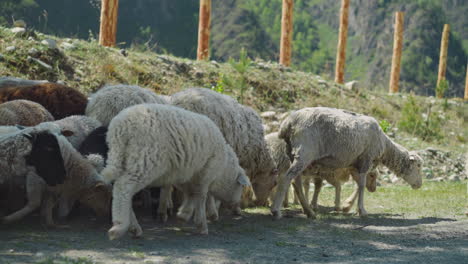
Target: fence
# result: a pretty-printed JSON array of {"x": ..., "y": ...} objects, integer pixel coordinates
[{"x": 108, "y": 31}]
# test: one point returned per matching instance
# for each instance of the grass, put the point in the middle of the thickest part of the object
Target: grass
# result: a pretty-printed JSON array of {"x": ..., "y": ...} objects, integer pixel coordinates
[{"x": 434, "y": 199}]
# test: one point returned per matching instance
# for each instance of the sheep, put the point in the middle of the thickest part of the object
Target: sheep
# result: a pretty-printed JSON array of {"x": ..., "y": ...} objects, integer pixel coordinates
[
  {"x": 23, "y": 112},
  {"x": 67, "y": 174},
  {"x": 15, "y": 169},
  {"x": 95, "y": 143},
  {"x": 80, "y": 127},
  {"x": 335, "y": 138},
  {"x": 108, "y": 101},
  {"x": 162, "y": 145},
  {"x": 243, "y": 130},
  {"x": 61, "y": 101},
  {"x": 335, "y": 177}
]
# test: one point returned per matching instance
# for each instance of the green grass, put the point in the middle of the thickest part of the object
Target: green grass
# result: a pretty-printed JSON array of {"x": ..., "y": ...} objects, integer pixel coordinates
[{"x": 433, "y": 199}]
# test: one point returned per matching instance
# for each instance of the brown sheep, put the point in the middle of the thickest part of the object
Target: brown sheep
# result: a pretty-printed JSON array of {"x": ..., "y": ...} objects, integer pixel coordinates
[
  {"x": 24, "y": 113},
  {"x": 61, "y": 101}
]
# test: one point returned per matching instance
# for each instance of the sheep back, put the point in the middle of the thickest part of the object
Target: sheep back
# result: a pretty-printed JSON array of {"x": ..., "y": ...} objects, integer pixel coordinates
[
  {"x": 61, "y": 101},
  {"x": 107, "y": 102},
  {"x": 23, "y": 112}
]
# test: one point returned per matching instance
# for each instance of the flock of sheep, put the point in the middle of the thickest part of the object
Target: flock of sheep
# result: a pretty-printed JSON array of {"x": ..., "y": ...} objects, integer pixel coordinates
[{"x": 58, "y": 147}]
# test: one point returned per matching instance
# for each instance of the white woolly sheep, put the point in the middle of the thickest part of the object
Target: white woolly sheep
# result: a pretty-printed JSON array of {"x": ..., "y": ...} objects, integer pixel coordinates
[
  {"x": 162, "y": 145},
  {"x": 24, "y": 113},
  {"x": 108, "y": 101},
  {"x": 335, "y": 177},
  {"x": 334, "y": 138},
  {"x": 243, "y": 130}
]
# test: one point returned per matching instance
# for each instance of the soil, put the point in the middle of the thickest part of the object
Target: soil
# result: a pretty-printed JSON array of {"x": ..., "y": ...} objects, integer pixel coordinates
[{"x": 252, "y": 238}]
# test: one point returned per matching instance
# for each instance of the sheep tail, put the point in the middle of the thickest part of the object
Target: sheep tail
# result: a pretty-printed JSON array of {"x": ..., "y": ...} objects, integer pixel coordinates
[{"x": 109, "y": 173}]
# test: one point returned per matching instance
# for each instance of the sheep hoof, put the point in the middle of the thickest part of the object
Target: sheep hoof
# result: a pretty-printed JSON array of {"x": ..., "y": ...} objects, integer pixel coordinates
[
  {"x": 136, "y": 231},
  {"x": 162, "y": 217},
  {"x": 276, "y": 215},
  {"x": 346, "y": 209},
  {"x": 213, "y": 217},
  {"x": 363, "y": 213},
  {"x": 116, "y": 232},
  {"x": 184, "y": 216}
]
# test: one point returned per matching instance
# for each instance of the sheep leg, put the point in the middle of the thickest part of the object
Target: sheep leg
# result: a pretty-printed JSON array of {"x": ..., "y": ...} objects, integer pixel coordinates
[
  {"x": 350, "y": 201},
  {"x": 186, "y": 208},
  {"x": 212, "y": 212},
  {"x": 338, "y": 197},
  {"x": 361, "y": 185},
  {"x": 318, "y": 183},
  {"x": 35, "y": 188},
  {"x": 199, "y": 200},
  {"x": 286, "y": 199},
  {"x": 135, "y": 227},
  {"x": 65, "y": 206},
  {"x": 123, "y": 192},
  {"x": 299, "y": 190},
  {"x": 294, "y": 171},
  {"x": 47, "y": 209},
  {"x": 306, "y": 183},
  {"x": 165, "y": 200}
]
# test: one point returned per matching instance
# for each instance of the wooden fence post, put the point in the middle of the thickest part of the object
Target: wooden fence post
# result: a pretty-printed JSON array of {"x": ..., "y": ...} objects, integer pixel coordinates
[
  {"x": 203, "y": 52},
  {"x": 341, "y": 51},
  {"x": 397, "y": 48},
  {"x": 286, "y": 32},
  {"x": 443, "y": 54},
  {"x": 108, "y": 28},
  {"x": 466, "y": 83}
]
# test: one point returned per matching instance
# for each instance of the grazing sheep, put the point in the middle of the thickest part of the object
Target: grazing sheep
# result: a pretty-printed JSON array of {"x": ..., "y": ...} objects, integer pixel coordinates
[
  {"x": 61, "y": 101},
  {"x": 20, "y": 145},
  {"x": 24, "y": 113},
  {"x": 162, "y": 145},
  {"x": 334, "y": 138},
  {"x": 68, "y": 175},
  {"x": 95, "y": 143},
  {"x": 242, "y": 128},
  {"x": 80, "y": 126},
  {"x": 108, "y": 101},
  {"x": 335, "y": 177}
]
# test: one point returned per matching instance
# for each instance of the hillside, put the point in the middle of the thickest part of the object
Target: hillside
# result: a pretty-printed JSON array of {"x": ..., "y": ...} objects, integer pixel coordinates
[
  {"x": 415, "y": 121},
  {"x": 170, "y": 26}
]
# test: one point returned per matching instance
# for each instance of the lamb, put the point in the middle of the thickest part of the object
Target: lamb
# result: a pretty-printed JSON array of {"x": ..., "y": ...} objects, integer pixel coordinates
[
  {"x": 23, "y": 112},
  {"x": 16, "y": 147},
  {"x": 80, "y": 126},
  {"x": 61, "y": 101},
  {"x": 95, "y": 143},
  {"x": 162, "y": 145},
  {"x": 242, "y": 128},
  {"x": 68, "y": 175},
  {"x": 107, "y": 102},
  {"x": 335, "y": 138},
  {"x": 335, "y": 177}
]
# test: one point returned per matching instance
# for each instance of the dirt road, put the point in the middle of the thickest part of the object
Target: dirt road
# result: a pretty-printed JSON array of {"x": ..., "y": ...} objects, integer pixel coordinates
[{"x": 253, "y": 238}]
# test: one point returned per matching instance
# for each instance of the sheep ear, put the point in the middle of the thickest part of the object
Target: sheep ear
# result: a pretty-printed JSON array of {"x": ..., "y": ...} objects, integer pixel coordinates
[
  {"x": 67, "y": 133},
  {"x": 28, "y": 136},
  {"x": 243, "y": 180}
]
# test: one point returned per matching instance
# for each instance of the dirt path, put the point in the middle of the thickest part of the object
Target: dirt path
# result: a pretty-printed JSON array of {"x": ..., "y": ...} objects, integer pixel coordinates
[{"x": 254, "y": 238}]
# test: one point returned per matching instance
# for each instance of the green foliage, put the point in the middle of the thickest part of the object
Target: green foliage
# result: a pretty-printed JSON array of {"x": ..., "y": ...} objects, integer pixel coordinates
[
  {"x": 242, "y": 67},
  {"x": 427, "y": 126},
  {"x": 442, "y": 88},
  {"x": 385, "y": 125}
]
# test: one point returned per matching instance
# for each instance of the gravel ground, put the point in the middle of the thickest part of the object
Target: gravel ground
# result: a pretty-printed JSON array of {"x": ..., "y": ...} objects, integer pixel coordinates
[{"x": 252, "y": 238}]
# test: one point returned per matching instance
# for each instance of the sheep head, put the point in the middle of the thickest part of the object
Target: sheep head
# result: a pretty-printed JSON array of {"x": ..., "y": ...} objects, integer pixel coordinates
[
  {"x": 98, "y": 198},
  {"x": 411, "y": 173}
]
